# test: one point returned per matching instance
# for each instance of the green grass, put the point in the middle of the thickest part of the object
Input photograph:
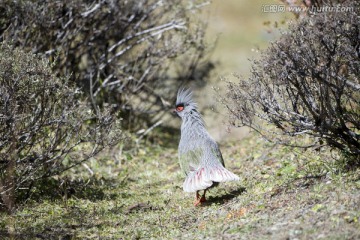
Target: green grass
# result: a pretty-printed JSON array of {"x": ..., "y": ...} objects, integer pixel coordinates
[{"x": 284, "y": 193}]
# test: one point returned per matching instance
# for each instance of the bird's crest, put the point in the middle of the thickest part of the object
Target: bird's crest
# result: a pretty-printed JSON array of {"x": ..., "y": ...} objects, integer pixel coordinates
[{"x": 184, "y": 96}]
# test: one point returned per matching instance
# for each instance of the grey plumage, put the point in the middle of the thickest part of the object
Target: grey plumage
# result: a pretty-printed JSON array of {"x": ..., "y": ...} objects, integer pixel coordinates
[{"x": 199, "y": 155}]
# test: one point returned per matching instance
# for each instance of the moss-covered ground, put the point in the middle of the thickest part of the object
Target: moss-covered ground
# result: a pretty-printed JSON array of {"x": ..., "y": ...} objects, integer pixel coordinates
[{"x": 284, "y": 193}]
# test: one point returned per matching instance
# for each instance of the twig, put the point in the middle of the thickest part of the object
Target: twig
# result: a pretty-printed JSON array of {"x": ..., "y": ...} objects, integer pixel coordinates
[{"x": 149, "y": 130}]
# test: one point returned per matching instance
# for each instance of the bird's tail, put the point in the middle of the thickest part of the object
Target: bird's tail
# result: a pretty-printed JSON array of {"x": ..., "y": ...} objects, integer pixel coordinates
[{"x": 204, "y": 178}]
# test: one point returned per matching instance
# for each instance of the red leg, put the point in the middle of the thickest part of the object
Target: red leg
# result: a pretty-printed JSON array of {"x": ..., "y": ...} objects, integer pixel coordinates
[
  {"x": 203, "y": 199},
  {"x": 198, "y": 199},
  {"x": 197, "y": 195}
]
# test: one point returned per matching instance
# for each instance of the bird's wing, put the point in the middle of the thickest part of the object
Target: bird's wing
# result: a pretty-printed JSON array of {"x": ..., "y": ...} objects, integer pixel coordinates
[
  {"x": 191, "y": 164},
  {"x": 190, "y": 160},
  {"x": 215, "y": 166},
  {"x": 216, "y": 153}
]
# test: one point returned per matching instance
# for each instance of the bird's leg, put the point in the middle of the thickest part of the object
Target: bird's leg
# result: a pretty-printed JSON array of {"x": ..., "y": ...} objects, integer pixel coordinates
[
  {"x": 203, "y": 199},
  {"x": 198, "y": 199}
]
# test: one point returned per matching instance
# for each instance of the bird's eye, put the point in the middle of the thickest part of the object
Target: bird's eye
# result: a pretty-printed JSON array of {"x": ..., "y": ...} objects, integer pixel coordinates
[{"x": 179, "y": 108}]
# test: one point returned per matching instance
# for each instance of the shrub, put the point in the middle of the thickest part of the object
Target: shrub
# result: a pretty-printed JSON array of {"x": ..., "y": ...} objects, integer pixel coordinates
[
  {"x": 308, "y": 82},
  {"x": 44, "y": 127},
  {"x": 130, "y": 53}
]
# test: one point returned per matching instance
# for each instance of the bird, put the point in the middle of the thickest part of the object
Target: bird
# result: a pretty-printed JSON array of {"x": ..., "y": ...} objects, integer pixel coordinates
[{"x": 200, "y": 158}]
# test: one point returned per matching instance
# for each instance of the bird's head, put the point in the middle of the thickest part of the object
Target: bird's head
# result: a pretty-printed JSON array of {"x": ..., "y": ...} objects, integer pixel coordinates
[{"x": 184, "y": 103}]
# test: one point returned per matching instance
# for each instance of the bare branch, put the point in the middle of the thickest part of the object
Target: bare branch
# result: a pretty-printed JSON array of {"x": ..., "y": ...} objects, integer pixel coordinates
[{"x": 306, "y": 84}]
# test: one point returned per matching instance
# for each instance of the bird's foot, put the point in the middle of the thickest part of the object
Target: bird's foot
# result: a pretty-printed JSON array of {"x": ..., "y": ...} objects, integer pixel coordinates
[{"x": 199, "y": 200}]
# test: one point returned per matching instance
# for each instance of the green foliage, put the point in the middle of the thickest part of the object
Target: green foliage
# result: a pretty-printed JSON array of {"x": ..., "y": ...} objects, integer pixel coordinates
[{"x": 45, "y": 128}]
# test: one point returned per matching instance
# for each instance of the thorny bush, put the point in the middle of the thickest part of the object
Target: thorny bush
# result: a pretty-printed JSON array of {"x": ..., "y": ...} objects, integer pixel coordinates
[
  {"x": 307, "y": 83},
  {"x": 134, "y": 54},
  {"x": 44, "y": 128}
]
